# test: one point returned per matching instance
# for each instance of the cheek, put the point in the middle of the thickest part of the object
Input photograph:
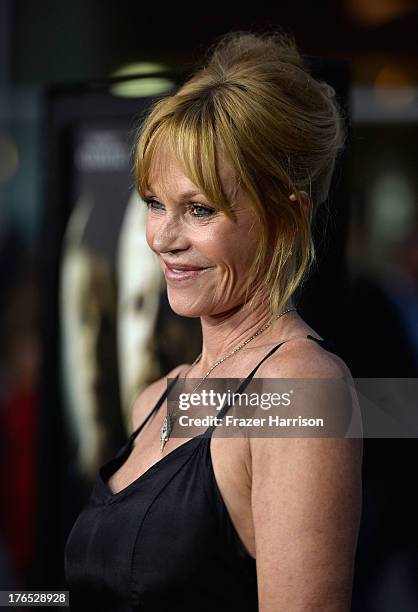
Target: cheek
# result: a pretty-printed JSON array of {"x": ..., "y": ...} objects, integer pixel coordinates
[
  {"x": 236, "y": 249},
  {"x": 149, "y": 233},
  {"x": 222, "y": 239}
]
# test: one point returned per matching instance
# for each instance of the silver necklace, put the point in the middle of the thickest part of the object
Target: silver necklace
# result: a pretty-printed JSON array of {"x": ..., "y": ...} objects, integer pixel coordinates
[{"x": 169, "y": 419}]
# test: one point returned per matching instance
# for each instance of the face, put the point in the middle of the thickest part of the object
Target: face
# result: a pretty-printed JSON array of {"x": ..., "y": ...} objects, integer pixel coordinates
[{"x": 185, "y": 229}]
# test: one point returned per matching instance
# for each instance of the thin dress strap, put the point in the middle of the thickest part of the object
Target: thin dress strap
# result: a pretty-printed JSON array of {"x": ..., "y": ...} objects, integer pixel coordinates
[
  {"x": 223, "y": 411},
  {"x": 155, "y": 409},
  {"x": 243, "y": 385},
  {"x": 328, "y": 345},
  {"x": 227, "y": 406}
]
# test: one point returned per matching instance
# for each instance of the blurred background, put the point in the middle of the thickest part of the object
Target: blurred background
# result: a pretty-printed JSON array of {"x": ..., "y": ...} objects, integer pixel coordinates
[{"x": 84, "y": 319}]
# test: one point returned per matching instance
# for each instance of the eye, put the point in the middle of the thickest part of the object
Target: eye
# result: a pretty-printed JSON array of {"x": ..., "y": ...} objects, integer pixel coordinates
[
  {"x": 196, "y": 210},
  {"x": 149, "y": 202},
  {"x": 207, "y": 212}
]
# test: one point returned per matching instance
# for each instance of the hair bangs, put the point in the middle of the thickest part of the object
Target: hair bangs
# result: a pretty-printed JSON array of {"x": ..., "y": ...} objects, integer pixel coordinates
[{"x": 190, "y": 138}]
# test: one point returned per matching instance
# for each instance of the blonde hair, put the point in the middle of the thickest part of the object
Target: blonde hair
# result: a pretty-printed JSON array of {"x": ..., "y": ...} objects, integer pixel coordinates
[{"x": 255, "y": 105}]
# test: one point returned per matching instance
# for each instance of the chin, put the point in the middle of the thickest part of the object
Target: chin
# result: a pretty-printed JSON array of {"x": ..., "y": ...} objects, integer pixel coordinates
[
  {"x": 184, "y": 311},
  {"x": 184, "y": 306}
]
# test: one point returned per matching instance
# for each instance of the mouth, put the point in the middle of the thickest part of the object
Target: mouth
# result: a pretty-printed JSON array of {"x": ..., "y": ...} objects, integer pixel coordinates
[{"x": 182, "y": 274}]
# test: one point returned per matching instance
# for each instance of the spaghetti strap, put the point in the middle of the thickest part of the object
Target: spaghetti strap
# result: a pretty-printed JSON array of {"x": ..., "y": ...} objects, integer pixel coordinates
[
  {"x": 241, "y": 388},
  {"x": 327, "y": 344},
  {"x": 156, "y": 407}
]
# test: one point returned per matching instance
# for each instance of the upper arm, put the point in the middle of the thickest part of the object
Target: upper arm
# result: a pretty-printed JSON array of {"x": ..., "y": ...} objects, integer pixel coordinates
[{"x": 306, "y": 506}]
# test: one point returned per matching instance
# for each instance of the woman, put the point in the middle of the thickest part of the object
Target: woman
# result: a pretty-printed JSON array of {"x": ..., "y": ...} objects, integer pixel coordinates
[{"x": 231, "y": 169}]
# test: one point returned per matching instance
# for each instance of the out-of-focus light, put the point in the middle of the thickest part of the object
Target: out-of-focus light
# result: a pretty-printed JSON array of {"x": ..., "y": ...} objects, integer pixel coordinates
[
  {"x": 377, "y": 12},
  {"x": 392, "y": 206},
  {"x": 368, "y": 107},
  {"x": 9, "y": 158},
  {"x": 393, "y": 86},
  {"x": 145, "y": 85}
]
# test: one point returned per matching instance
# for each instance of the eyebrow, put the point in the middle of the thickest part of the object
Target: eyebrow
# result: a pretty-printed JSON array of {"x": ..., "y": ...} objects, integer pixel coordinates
[{"x": 186, "y": 194}]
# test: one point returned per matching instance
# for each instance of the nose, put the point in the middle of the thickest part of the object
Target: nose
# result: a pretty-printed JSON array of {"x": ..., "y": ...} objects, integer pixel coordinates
[{"x": 168, "y": 236}]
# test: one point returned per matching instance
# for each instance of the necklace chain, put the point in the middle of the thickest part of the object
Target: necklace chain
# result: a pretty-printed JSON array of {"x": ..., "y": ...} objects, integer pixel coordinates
[
  {"x": 168, "y": 422},
  {"x": 237, "y": 348}
]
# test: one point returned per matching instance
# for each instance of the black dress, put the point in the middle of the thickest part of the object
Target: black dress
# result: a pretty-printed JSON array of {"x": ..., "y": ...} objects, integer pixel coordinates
[{"x": 164, "y": 543}]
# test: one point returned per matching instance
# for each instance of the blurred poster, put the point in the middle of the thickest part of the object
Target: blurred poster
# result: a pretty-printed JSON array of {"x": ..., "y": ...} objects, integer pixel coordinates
[{"x": 118, "y": 333}]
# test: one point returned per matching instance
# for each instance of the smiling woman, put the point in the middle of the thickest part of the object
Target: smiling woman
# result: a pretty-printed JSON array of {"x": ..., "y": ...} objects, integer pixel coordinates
[
  {"x": 216, "y": 262},
  {"x": 231, "y": 169},
  {"x": 253, "y": 122}
]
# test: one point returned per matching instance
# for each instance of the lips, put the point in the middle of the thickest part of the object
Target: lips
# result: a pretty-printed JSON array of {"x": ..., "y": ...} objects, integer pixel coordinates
[
  {"x": 182, "y": 272},
  {"x": 182, "y": 267}
]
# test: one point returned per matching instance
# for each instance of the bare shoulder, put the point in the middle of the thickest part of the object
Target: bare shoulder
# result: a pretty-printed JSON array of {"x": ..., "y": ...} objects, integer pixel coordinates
[
  {"x": 301, "y": 357},
  {"x": 306, "y": 499},
  {"x": 150, "y": 395}
]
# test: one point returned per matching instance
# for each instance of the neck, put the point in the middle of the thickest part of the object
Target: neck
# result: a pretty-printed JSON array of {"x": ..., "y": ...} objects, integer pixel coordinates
[{"x": 223, "y": 333}]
